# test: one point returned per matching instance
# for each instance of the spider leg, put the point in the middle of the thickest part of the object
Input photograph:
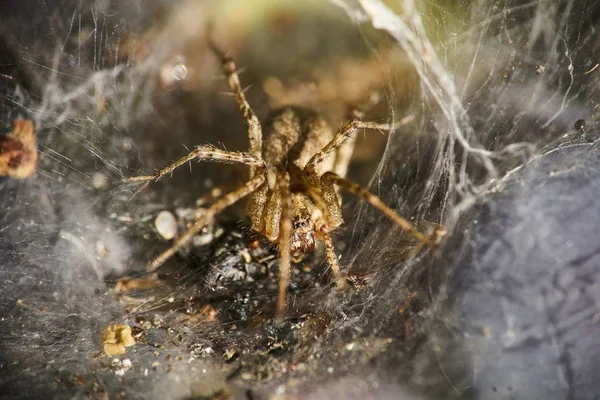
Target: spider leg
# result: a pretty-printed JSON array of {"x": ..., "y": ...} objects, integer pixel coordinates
[
  {"x": 233, "y": 80},
  {"x": 332, "y": 259},
  {"x": 346, "y": 149},
  {"x": 328, "y": 203},
  {"x": 285, "y": 232},
  {"x": 330, "y": 178},
  {"x": 224, "y": 202},
  {"x": 344, "y": 155},
  {"x": 346, "y": 132},
  {"x": 206, "y": 153}
]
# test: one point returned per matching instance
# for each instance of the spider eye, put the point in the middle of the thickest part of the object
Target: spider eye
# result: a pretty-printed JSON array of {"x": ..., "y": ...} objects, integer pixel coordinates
[{"x": 300, "y": 222}]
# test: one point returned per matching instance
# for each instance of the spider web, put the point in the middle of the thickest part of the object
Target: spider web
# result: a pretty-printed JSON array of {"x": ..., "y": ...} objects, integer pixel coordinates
[{"x": 117, "y": 90}]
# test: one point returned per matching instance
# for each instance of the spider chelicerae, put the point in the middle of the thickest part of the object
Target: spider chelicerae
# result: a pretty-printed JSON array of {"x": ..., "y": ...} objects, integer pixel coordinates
[{"x": 295, "y": 175}]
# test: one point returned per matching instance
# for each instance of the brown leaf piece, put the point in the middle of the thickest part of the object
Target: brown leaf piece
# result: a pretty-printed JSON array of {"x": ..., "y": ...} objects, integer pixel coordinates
[
  {"x": 115, "y": 338},
  {"x": 18, "y": 153}
]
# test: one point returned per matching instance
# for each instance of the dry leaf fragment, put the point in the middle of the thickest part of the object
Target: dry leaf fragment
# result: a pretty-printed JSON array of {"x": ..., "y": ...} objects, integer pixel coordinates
[
  {"x": 115, "y": 338},
  {"x": 129, "y": 284},
  {"x": 18, "y": 153}
]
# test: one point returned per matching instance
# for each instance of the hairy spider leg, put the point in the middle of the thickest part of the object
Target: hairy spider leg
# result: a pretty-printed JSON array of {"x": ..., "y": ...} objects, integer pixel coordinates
[
  {"x": 233, "y": 80},
  {"x": 285, "y": 232},
  {"x": 346, "y": 149},
  {"x": 205, "y": 153},
  {"x": 224, "y": 202},
  {"x": 330, "y": 209},
  {"x": 347, "y": 130},
  {"x": 323, "y": 206},
  {"x": 332, "y": 259},
  {"x": 328, "y": 204},
  {"x": 330, "y": 178}
]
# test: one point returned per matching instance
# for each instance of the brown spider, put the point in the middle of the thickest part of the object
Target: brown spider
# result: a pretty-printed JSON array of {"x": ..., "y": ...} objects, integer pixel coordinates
[{"x": 292, "y": 193}]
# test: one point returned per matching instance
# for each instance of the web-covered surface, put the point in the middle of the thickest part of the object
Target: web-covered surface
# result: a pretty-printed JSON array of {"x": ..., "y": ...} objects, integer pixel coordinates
[{"x": 119, "y": 90}]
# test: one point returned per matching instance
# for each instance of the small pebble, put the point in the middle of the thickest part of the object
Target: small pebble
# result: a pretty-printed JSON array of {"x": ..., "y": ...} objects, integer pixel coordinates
[
  {"x": 99, "y": 181},
  {"x": 166, "y": 225},
  {"x": 202, "y": 239}
]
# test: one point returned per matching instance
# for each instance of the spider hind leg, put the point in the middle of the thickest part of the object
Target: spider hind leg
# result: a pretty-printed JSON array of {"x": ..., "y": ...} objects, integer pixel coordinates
[{"x": 330, "y": 178}]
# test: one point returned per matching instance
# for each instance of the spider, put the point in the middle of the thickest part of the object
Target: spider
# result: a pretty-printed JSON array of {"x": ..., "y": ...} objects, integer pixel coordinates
[{"x": 295, "y": 176}]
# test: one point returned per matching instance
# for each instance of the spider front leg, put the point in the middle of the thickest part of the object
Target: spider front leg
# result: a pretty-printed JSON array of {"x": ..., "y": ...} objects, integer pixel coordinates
[
  {"x": 285, "y": 233},
  {"x": 344, "y": 133},
  {"x": 332, "y": 259},
  {"x": 346, "y": 149},
  {"x": 327, "y": 201},
  {"x": 330, "y": 178},
  {"x": 233, "y": 80},
  {"x": 204, "y": 153},
  {"x": 224, "y": 202}
]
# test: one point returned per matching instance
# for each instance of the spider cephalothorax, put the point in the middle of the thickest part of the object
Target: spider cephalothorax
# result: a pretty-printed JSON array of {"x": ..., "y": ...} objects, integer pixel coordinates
[{"x": 294, "y": 172}]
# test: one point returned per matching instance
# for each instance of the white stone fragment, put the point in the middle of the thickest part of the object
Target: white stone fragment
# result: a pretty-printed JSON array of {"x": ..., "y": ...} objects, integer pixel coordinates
[
  {"x": 99, "y": 180},
  {"x": 166, "y": 225}
]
